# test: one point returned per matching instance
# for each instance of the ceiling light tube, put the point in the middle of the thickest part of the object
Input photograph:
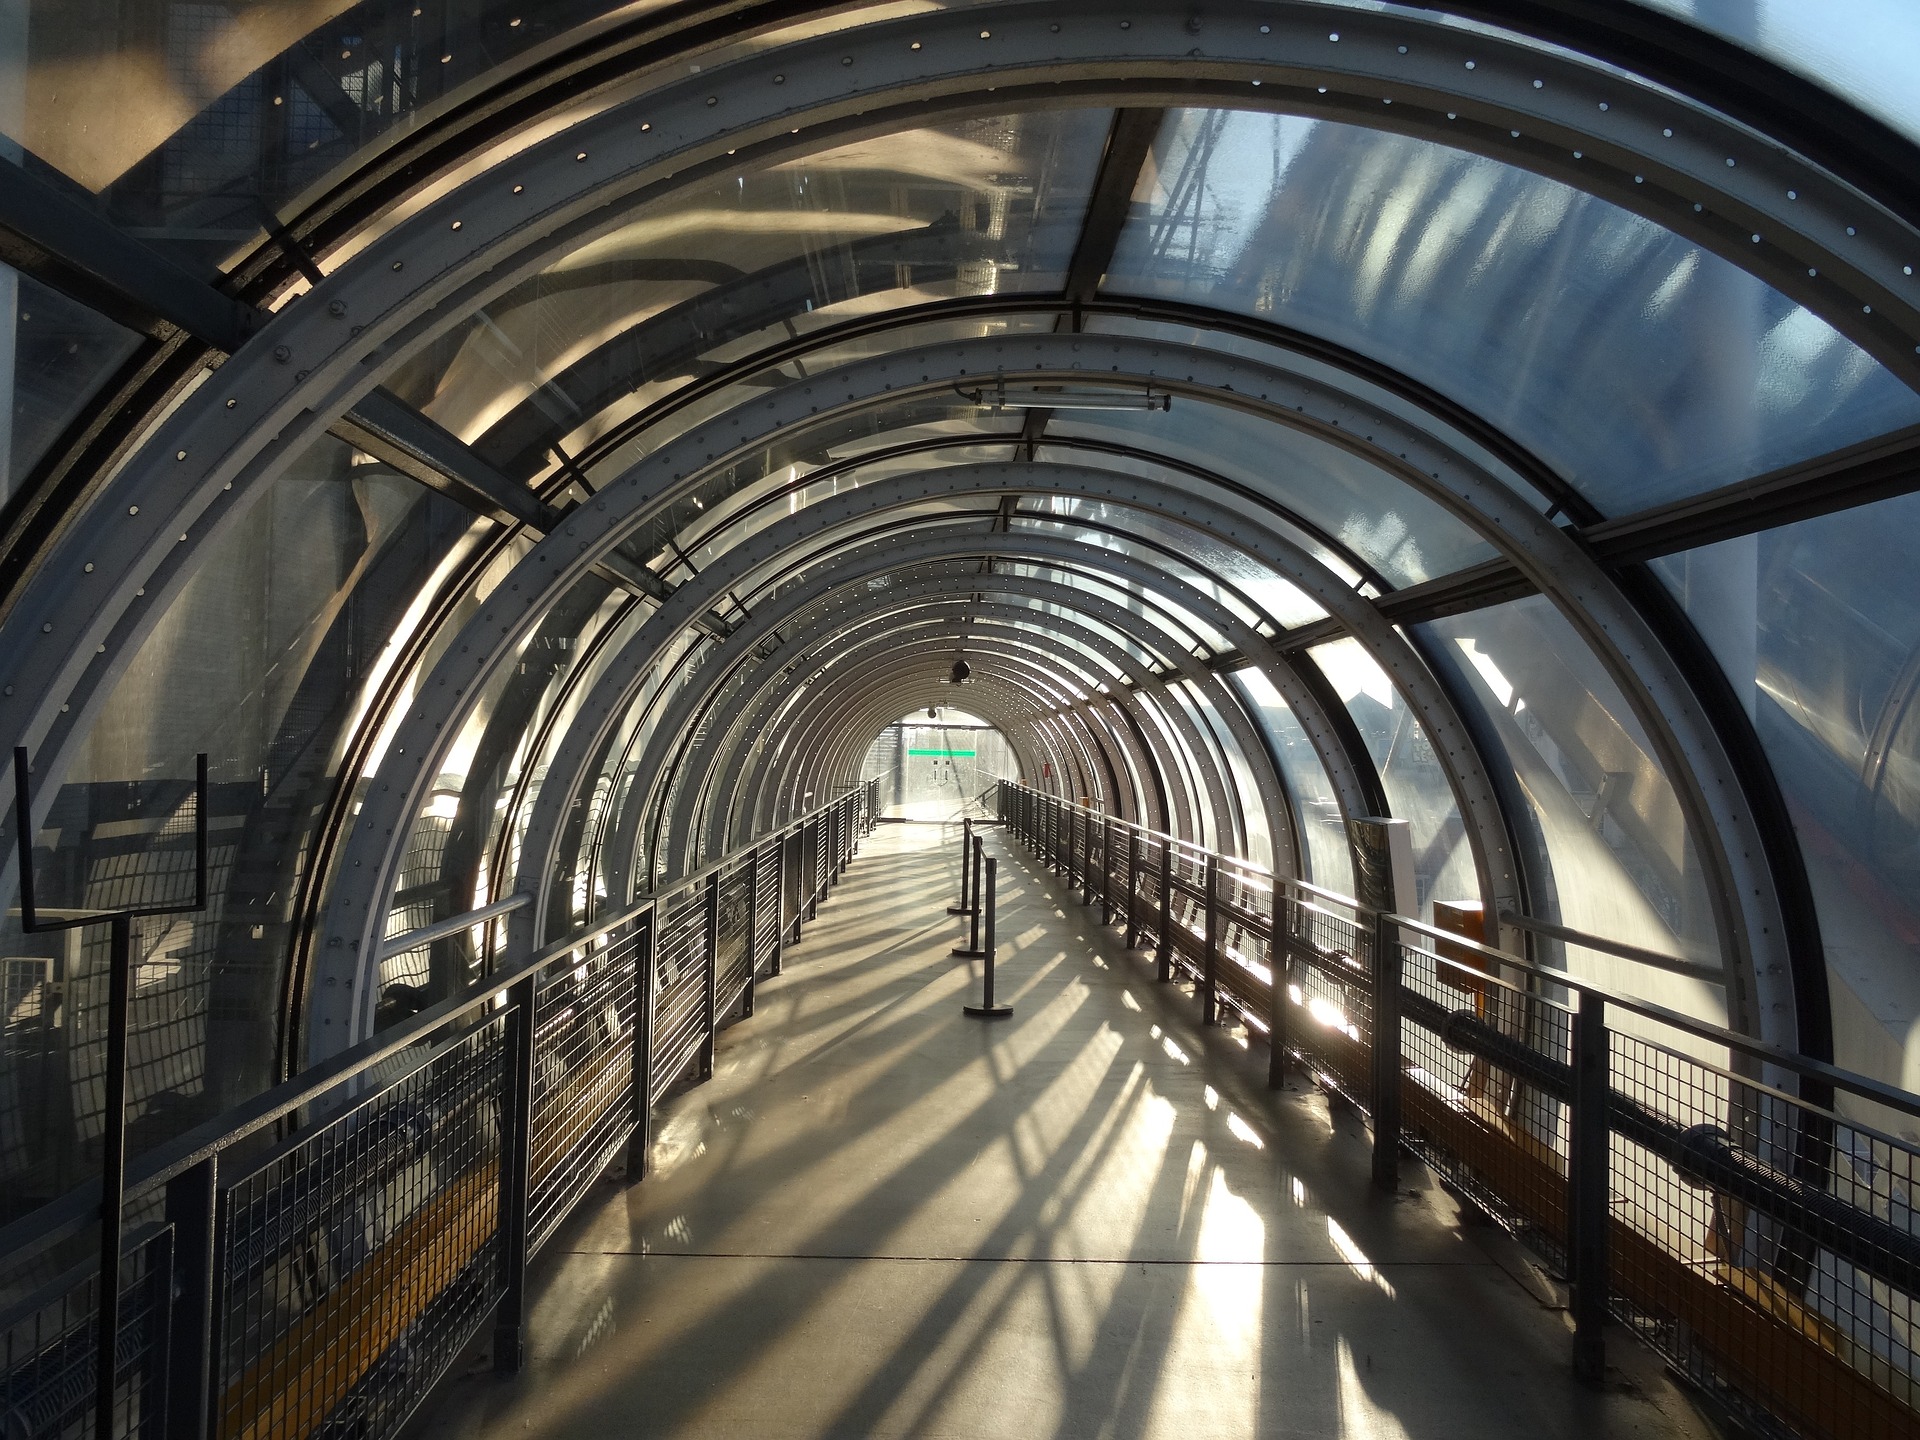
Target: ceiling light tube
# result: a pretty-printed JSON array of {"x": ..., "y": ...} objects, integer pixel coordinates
[{"x": 1029, "y": 397}]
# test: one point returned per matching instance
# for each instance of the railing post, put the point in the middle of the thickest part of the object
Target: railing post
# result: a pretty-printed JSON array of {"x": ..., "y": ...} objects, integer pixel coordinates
[
  {"x": 1210, "y": 973},
  {"x": 113, "y": 1170},
  {"x": 1163, "y": 955},
  {"x": 1133, "y": 888},
  {"x": 1385, "y": 1041},
  {"x": 640, "y": 1142},
  {"x": 1086, "y": 858},
  {"x": 710, "y": 981},
  {"x": 753, "y": 930},
  {"x": 810, "y": 843},
  {"x": 1279, "y": 935},
  {"x": 193, "y": 1205},
  {"x": 1589, "y": 1188},
  {"x": 965, "y": 907},
  {"x": 516, "y": 1150}
]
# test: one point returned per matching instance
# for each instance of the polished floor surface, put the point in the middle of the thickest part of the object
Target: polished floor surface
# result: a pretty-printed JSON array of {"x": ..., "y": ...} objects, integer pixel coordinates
[{"x": 881, "y": 1218}]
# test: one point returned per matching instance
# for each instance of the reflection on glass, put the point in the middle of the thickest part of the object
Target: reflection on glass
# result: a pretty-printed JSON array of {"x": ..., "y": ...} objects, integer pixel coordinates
[
  {"x": 1619, "y": 860},
  {"x": 1817, "y": 626},
  {"x": 973, "y": 207},
  {"x": 1507, "y": 292},
  {"x": 55, "y": 354},
  {"x": 1390, "y": 526},
  {"x": 1328, "y": 861},
  {"x": 266, "y": 661},
  {"x": 1416, "y": 785}
]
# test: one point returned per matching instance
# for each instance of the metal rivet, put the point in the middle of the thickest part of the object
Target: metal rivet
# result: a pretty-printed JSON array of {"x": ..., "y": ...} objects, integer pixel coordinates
[
  {"x": 1756, "y": 239},
  {"x": 518, "y": 188},
  {"x": 133, "y": 509},
  {"x": 1126, "y": 24},
  {"x": 1266, "y": 29},
  {"x": 713, "y": 99},
  {"x": 581, "y": 156},
  {"x": 1793, "y": 194},
  {"x": 47, "y": 629},
  {"x": 1605, "y": 106},
  {"x": 1730, "y": 162},
  {"x": 649, "y": 124},
  {"x": 1539, "y": 84},
  {"x": 232, "y": 403},
  {"x": 1403, "y": 49},
  {"x": 1852, "y": 231},
  {"x": 1473, "y": 64},
  {"x": 1667, "y": 133},
  {"x": 1335, "y": 37},
  {"x": 282, "y": 354},
  {"x": 916, "y": 44},
  {"x": 179, "y": 454},
  {"x": 455, "y": 225},
  {"x": 89, "y": 567},
  {"x": 399, "y": 264},
  {"x": 336, "y": 308},
  {"x": 986, "y": 34}
]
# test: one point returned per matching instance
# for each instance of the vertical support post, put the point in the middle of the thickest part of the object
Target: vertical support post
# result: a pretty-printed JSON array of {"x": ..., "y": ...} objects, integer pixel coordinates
[
  {"x": 1163, "y": 952},
  {"x": 1589, "y": 1187},
  {"x": 753, "y": 930},
  {"x": 1133, "y": 888},
  {"x": 810, "y": 846},
  {"x": 1385, "y": 1040},
  {"x": 1086, "y": 858},
  {"x": 710, "y": 981},
  {"x": 1210, "y": 970},
  {"x": 640, "y": 1142},
  {"x": 1279, "y": 947},
  {"x": 965, "y": 907},
  {"x": 113, "y": 1172},
  {"x": 193, "y": 1200},
  {"x": 516, "y": 1149},
  {"x": 1106, "y": 871}
]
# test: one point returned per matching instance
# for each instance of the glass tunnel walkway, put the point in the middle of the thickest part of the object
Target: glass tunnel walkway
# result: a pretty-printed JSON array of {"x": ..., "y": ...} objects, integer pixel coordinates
[{"x": 883, "y": 1218}]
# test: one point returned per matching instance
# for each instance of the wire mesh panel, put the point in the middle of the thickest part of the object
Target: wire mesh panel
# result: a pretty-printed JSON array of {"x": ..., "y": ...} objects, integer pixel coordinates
[
  {"x": 680, "y": 1013},
  {"x": 1495, "y": 1136},
  {"x": 361, "y": 1259},
  {"x": 767, "y": 921},
  {"x": 732, "y": 973},
  {"x": 1329, "y": 982},
  {"x": 49, "y": 1346},
  {"x": 1765, "y": 1246},
  {"x": 582, "y": 1074},
  {"x": 1244, "y": 974}
]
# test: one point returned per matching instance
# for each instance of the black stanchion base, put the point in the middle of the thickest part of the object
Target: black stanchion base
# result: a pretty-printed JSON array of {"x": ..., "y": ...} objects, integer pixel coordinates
[
  {"x": 987, "y": 1012},
  {"x": 959, "y": 910},
  {"x": 962, "y": 952}
]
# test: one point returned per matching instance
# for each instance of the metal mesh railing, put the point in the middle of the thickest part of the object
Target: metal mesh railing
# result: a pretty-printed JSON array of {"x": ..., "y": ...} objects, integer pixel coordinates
[
  {"x": 1763, "y": 1241},
  {"x": 388, "y": 1200}
]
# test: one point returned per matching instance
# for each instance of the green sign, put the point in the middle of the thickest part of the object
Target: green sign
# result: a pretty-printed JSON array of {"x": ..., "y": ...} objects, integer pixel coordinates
[{"x": 963, "y": 754}]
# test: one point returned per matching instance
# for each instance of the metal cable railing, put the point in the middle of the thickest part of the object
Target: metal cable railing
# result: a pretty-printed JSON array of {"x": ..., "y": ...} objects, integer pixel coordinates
[
  {"x": 313, "y": 1261},
  {"x": 1744, "y": 1210}
]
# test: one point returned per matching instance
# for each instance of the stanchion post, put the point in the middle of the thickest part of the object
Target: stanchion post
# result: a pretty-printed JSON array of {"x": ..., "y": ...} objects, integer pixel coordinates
[
  {"x": 640, "y": 1142},
  {"x": 1588, "y": 1187},
  {"x": 965, "y": 907},
  {"x": 971, "y": 950},
  {"x": 1386, "y": 1053},
  {"x": 710, "y": 981},
  {"x": 1133, "y": 887},
  {"x": 986, "y": 1009},
  {"x": 516, "y": 1177}
]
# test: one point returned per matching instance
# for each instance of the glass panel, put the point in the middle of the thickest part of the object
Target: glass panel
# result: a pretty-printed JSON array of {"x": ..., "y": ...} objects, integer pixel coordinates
[
  {"x": 1508, "y": 292},
  {"x": 1328, "y": 861},
  {"x": 268, "y": 660},
  {"x": 1253, "y": 810},
  {"x": 972, "y": 207},
  {"x": 1416, "y": 785},
  {"x": 1619, "y": 860},
  {"x": 1862, "y": 50},
  {"x": 192, "y": 120},
  {"x": 1402, "y": 534},
  {"x": 1817, "y": 626},
  {"x": 55, "y": 355}
]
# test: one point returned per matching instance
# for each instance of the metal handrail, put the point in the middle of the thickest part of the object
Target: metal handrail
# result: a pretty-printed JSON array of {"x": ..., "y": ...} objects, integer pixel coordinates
[
  {"x": 1867, "y": 1088},
  {"x": 61, "y": 1218}
]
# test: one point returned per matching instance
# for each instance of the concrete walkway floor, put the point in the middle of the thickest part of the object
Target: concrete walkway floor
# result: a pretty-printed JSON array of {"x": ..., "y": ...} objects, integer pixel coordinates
[{"x": 1091, "y": 1220}]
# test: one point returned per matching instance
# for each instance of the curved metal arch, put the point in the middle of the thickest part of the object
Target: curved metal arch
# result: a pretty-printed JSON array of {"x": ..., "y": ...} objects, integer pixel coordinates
[
  {"x": 825, "y": 729},
  {"x": 1060, "y": 699},
  {"x": 784, "y": 613},
  {"x": 816, "y": 720},
  {"x": 403, "y": 287},
  {"x": 904, "y": 611},
  {"x": 654, "y": 481},
  {"x": 1337, "y": 757}
]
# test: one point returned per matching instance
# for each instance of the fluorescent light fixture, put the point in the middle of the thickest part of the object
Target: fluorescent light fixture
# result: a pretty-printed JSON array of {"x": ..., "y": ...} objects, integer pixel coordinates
[{"x": 1002, "y": 396}]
